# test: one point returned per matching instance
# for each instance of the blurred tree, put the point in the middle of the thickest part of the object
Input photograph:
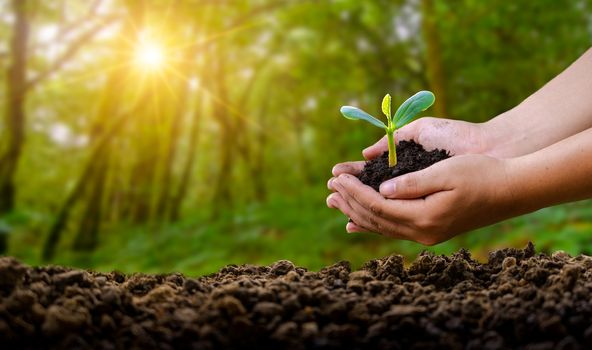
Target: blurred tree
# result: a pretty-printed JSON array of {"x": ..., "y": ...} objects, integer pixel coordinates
[
  {"x": 239, "y": 110},
  {"x": 92, "y": 181},
  {"x": 434, "y": 64},
  {"x": 15, "y": 106},
  {"x": 18, "y": 86}
]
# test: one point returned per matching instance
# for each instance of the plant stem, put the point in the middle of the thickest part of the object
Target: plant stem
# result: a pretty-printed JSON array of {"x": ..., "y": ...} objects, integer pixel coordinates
[{"x": 390, "y": 135}]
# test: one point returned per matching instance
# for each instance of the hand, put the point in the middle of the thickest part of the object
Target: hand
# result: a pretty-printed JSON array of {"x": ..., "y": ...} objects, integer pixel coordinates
[
  {"x": 458, "y": 137},
  {"x": 431, "y": 205}
]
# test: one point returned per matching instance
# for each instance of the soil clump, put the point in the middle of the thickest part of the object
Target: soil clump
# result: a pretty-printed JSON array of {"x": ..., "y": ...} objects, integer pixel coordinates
[
  {"x": 411, "y": 157},
  {"x": 518, "y": 299}
]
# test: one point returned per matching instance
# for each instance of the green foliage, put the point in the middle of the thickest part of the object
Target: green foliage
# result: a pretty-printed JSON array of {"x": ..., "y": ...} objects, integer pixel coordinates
[
  {"x": 386, "y": 107},
  {"x": 412, "y": 107},
  {"x": 405, "y": 113},
  {"x": 354, "y": 113},
  {"x": 264, "y": 233},
  {"x": 260, "y": 80}
]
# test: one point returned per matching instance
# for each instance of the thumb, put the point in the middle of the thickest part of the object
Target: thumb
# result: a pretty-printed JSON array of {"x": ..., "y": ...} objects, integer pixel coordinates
[
  {"x": 376, "y": 149},
  {"x": 415, "y": 185},
  {"x": 408, "y": 132}
]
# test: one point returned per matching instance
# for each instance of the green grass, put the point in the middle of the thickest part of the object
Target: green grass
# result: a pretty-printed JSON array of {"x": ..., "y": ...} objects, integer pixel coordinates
[{"x": 300, "y": 229}]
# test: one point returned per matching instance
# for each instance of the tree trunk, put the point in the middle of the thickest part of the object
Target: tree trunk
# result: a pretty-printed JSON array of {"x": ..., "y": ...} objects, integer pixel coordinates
[
  {"x": 222, "y": 197},
  {"x": 15, "y": 107},
  {"x": 434, "y": 63},
  {"x": 90, "y": 223},
  {"x": 299, "y": 122},
  {"x": 166, "y": 184},
  {"x": 143, "y": 176},
  {"x": 80, "y": 188},
  {"x": 17, "y": 88},
  {"x": 181, "y": 192},
  {"x": 55, "y": 232},
  {"x": 257, "y": 165}
]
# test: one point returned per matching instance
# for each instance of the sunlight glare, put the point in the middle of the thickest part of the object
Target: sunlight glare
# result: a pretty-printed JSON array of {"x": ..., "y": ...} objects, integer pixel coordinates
[{"x": 149, "y": 55}]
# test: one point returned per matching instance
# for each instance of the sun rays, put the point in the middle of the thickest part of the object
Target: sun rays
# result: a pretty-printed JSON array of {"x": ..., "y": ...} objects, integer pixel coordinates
[
  {"x": 160, "y": 61},
  {"x": 149, "y": 55}
]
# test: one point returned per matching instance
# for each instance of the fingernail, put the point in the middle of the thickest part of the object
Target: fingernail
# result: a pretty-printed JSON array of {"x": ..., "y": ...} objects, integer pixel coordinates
[
  {"x": 330, "y": 202},
  {"x": 387, "y": 189},
  {"x": 334, "y": 170},
  {"x": 349, "y": 227},
  {"x": 329, "y": 183}
]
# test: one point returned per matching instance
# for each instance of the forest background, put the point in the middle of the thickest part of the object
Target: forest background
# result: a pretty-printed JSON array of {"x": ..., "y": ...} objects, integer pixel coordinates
[{"x": 184, "y": 135}]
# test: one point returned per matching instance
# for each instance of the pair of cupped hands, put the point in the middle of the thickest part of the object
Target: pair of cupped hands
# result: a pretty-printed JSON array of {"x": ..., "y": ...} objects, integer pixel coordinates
[{"x": 466, "y": 191}]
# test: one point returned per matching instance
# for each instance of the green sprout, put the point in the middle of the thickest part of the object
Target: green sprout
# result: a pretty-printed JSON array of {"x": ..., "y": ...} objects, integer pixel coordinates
[{"x": 405, "y": 113}]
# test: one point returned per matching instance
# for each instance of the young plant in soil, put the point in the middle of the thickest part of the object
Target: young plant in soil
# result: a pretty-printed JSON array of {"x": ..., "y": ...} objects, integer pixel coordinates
[
  {"x": 412, "y": 156},
  {"x": 405, "y": 113}
]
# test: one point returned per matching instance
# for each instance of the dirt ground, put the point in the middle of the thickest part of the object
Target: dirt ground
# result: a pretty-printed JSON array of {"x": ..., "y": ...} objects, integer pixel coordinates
[
  {"x": 516, "y": 300},
  {"x": 411, "y": 157}
]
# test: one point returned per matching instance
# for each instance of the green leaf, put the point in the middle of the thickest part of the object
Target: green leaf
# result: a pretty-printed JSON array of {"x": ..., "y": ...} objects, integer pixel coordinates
[
  {"x": 354, "y": 113},
  {"x": 413, "y": 106},
  {"x": 386, "y": 106}
]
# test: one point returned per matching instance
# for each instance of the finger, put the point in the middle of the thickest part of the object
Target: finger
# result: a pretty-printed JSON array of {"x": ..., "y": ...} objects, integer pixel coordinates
[
  {"x": 357, "y": 217},
  {"x": 354, "y": 228},
  {"x": 357, "y": 228},
  {"x": 353, "y": 168},
  {"x": 375, "y": 224},
  {"x": 417, "y": 184},
  {"x": 364, "y": 195},
  {"x": 408, "y": 132},
  {"x": 337, "y": 201},
  {"x": 417, "y": 210},
  {"x": 401, "y": 212},
  {"x": 398, "y": 218},
  {"x": 376, "y": 149},
  {"x": 329, "y": 185},
  {"x": 372, "y": 216},
  {"x": 331, "y": 200}
]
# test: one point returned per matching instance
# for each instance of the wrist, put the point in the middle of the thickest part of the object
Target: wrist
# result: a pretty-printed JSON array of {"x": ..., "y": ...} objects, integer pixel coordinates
[
  {"x": 557, "y": 174},
  {"x": 507, "y": 192},
  {"x": 500, "y": 136},
  {"x": 525, "y": 192}
]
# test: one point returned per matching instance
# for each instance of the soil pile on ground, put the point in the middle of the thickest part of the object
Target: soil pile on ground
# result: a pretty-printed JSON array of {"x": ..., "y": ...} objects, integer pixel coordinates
[
  {"x": 411, "y": 157},
  {"x": 517, "y": 299}
]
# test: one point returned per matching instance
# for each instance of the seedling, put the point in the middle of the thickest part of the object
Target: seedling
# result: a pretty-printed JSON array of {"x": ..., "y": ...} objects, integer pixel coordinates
[{"x": 405, "y": 113}]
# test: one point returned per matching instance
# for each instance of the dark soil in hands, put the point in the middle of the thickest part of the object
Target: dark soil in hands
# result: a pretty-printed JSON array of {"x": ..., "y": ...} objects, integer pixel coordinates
[
  {"x": 516, "y": 300},
  {"x": 411, "y": 157}
]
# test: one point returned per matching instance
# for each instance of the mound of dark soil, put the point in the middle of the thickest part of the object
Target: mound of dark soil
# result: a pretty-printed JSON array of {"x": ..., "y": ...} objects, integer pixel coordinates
[
  {"x": 515, "y": 300},
  {"x": 411, "y": 157}
]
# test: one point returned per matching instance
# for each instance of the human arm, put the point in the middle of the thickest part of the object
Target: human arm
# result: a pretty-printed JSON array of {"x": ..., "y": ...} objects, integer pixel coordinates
[
  {"x": 467, "y": 192},
  {"x": 559, "y": 109}
]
